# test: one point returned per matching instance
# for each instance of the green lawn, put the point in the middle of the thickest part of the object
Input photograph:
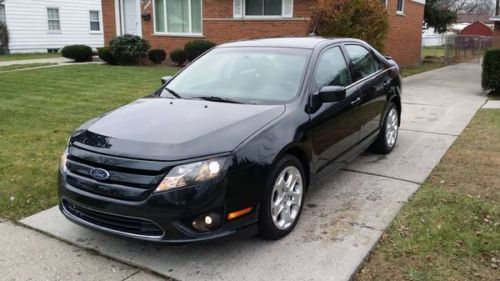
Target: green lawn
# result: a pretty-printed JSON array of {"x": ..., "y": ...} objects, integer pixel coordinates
[
  {"x": 423, "y": 67},
  {"x": 22, "y": 66},
  {"x": 433, "y": 58},
  {"x": 38, "y": 111},
  {"x": 28, "y": 56},
  {"x": 450, "y": 229},
  {"x": 433, "y": 51}
]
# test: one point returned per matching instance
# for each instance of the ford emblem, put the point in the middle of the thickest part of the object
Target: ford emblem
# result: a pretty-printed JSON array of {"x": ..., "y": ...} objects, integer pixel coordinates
[{"x": 99, "y": 174}]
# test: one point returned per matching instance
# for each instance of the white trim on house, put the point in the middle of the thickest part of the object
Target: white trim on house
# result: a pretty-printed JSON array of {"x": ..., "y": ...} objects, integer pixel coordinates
[
  {"x": 118, "y": 23},
  {"x": 420, "y": 1}
]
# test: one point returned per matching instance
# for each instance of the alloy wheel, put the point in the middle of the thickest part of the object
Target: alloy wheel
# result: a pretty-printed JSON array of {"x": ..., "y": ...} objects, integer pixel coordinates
[
  {"x": 287, "y": 197},
  {"x": 392, "y": 127}
]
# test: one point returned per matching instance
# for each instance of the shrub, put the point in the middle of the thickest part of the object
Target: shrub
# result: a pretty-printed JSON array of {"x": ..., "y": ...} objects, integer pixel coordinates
[
  {"x": 178, "y": 56},
  {"x": 195, "y": 48},
  {"x": 77, "y": 53},
  {"x": 363, "y": 19},
  {"x": 4, "y": 39},
  {"x": 157, "y": 55},
  {"x": 104, "y": 54},
  {"x": 128, "y": 49},
  {"x": 491, "y": 71}
]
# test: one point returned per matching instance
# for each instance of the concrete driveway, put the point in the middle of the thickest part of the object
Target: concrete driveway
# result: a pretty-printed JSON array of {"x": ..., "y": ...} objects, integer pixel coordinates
[{"x": 345, "y": 213}]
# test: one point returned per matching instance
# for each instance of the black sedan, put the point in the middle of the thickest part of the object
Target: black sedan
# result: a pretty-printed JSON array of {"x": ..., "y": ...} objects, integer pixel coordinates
[{"x": 230, "y": 144}]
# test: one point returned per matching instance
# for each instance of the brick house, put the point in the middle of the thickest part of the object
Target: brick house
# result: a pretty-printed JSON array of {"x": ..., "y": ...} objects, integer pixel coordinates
[{"x": 169, "y": 24}]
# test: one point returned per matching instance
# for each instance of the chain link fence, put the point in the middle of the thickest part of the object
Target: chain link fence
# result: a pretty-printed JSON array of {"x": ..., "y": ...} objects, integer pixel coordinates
[{"x": 468, "y": 48}]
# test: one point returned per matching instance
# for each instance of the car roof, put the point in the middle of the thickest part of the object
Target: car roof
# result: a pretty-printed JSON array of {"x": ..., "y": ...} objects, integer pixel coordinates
[{"x": 286, "y": 42}]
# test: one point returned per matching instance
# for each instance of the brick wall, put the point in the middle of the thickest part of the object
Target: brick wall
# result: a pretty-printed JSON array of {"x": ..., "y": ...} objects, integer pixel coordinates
[
  {"x": 109, "y": 20},
  {"x": 403, "y": 42}
]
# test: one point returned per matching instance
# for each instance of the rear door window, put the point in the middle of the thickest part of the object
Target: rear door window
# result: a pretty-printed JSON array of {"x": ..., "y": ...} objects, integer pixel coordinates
[{"x": 363, "y": 62}]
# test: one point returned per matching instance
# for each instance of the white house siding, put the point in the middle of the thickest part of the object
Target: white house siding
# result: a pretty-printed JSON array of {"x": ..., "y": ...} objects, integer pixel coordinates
[{"x": 28, "y": 27}]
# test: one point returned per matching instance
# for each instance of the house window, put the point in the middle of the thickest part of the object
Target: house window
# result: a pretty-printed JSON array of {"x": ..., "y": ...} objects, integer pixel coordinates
[
  {"x": 384, "y": 2},
  {"x": 2, "y": 13},
  {"x": 263, "y": 7},
  {"x": 95, "y": 21},
  {"x": 177, "y": 16},
  {"x": 53, "y": 19},
  {"x": 401, "y": 6}
]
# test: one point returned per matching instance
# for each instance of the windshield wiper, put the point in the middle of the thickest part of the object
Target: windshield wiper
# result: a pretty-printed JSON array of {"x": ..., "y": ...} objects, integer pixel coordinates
[
  {"x": 217, "y": 99},
  {"x": 173, "y": 93}
]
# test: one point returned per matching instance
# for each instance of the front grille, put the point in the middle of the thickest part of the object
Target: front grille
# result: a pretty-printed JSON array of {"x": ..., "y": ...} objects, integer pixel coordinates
[
  {"x": 129, "y": 179},
  {"x": 121, "y": 224}
]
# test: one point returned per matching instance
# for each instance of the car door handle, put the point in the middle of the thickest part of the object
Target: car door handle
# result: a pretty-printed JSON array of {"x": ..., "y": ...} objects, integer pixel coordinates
[
  {"x": 387, "y": 84},
  {"x": 358, "y": 99}
]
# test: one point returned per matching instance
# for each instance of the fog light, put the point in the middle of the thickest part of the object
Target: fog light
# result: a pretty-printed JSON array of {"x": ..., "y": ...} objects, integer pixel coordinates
[{"x": 207, "y": 222}]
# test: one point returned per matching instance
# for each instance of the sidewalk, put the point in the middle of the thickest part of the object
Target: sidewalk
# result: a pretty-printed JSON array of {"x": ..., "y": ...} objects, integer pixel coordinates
[
  {"x": 26, "y": 254},
  {"x": 60, "y": 60}
]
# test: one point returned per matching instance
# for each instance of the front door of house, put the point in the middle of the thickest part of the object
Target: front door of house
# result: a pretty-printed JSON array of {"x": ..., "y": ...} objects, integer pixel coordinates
[{"x": 130, "y": 17}]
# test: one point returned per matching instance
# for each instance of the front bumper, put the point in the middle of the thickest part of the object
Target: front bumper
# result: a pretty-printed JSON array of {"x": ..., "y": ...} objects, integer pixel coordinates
[{"x": 162, "y": 217}]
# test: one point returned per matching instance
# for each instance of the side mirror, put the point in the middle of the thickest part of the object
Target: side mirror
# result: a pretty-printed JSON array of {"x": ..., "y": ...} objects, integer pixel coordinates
[
  {"x": 166, "y": 79},
  {"x": 332, "y": 94}
]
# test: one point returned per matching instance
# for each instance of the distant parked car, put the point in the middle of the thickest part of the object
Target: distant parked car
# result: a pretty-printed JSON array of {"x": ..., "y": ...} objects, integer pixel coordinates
[{"x": 229, "y": 145}]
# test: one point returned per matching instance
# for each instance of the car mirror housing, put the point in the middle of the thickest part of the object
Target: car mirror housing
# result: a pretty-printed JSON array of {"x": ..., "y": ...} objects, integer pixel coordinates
[
  {"x": 332, "y": 93},
  {"x": 166, "y": 79}
]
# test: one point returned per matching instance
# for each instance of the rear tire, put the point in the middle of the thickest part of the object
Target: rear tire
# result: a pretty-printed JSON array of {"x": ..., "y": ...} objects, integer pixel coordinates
[
  {"x": 389, "y": 131},
  {"x": 283, "y": 199}
]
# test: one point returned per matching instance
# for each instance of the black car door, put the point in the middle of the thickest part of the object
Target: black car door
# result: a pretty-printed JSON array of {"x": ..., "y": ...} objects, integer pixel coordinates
[
  {"x": 335, "y": 127},
  {"x": 373, "y": 84}
]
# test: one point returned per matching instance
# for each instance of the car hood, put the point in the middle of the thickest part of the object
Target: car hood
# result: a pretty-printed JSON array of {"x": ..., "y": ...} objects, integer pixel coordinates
[{"x": 174, "y": 129}]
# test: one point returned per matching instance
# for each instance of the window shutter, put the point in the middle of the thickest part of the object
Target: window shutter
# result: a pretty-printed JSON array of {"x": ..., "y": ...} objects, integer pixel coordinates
[
  {"x": 237, "y": 9},
  {"x": 288, "y": 8}
]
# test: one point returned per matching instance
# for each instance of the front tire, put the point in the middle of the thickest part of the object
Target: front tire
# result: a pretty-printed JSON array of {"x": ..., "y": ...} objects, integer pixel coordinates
[
  {"x": 283, "y": 199},
  {"x": 389, "y": 131}
]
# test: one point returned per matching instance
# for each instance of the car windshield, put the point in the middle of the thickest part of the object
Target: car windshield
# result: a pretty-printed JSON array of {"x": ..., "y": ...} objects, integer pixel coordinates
[{"x": 246, "y": 75}]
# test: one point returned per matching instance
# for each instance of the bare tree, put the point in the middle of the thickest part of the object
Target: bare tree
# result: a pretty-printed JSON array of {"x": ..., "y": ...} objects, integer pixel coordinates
[{"x": 485, "y": 7}]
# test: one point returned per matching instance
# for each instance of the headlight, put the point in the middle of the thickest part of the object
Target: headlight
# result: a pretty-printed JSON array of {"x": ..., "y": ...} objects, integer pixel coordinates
[
  {"x": 189, "y": 174},
  {"x": 64, "y": 158}
]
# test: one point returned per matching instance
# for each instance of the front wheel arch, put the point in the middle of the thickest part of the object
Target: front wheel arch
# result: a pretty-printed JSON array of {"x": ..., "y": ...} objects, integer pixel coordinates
[{"x": 302, "y": 156}]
